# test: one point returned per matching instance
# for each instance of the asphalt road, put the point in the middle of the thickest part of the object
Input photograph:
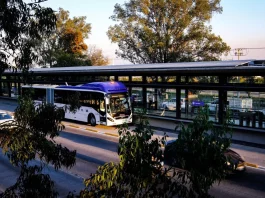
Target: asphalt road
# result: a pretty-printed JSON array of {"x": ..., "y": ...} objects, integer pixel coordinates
[
  {"x": 249, "y": 184},
  {"x": 95, "y": 149}
]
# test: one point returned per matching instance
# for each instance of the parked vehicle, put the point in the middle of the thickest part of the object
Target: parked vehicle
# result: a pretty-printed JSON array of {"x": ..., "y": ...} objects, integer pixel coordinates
[
  {"x": 171, "y": 104},
  {"x": 239, "y": 104}
]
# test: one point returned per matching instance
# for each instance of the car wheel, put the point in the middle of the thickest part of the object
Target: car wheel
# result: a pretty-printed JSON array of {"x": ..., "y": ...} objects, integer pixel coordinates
[{"x": 92, "y": 120}]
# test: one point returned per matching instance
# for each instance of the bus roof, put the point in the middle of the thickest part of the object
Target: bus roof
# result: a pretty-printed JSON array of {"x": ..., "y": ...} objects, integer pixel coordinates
[{"x": 107, "y": 87}]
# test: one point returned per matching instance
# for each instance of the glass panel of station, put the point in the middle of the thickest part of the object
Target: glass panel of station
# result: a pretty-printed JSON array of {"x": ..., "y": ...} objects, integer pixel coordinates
[
  {"x": 123, "y": 78},
  {"x": 247, "y": 108},
  {"x": 137, "y": 99},
  {"x": 166, "y": 79},
  {"x": 246, "y": 79},
  {"x": 4, "y": 89},
  {"x": 14, "y": 90},
  {"x": 193, "y": 100},
  {"x": 111, "y": 78},
  {"x": 161, "y": 102},
  {"x": 201, "y": 79},
  {"x": 137, "y": 78}
]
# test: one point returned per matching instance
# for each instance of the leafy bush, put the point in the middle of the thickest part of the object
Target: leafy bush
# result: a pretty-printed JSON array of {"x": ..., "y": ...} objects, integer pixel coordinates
[
  {"x": 31, "y": 136},
  {"x": 200, "y": 150},
  {"x": 139, "y": 173}
]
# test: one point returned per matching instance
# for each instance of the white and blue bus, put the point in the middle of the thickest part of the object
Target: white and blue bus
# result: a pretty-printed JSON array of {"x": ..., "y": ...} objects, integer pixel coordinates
[{"x": 106, "y": 103}]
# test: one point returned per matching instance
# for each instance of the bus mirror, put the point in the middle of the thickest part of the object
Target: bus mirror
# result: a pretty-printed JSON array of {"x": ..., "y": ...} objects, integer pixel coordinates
[{"x": 107, "y": 101}]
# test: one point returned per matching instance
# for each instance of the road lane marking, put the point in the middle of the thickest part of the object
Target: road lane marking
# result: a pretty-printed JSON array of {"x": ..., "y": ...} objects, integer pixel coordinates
[
  {"x": 261, "y": 167},
  {"x": 106, "y": 127},
  {"x": 91, "y": 130},
  {"x": 111, "y": 134},
  {"x": 74, "y": 126},
  {"x": 251, "y": 165}
]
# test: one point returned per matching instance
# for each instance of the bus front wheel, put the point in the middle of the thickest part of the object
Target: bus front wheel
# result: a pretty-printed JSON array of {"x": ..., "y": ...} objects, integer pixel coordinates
[{"x": 92, "y": 120}]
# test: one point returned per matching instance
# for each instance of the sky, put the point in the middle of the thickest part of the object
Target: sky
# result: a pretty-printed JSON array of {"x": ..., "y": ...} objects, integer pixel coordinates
[{"x": 240, "y": 25}]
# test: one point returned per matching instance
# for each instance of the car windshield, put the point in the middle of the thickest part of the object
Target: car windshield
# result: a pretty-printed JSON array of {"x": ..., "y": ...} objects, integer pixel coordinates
[{"x": 5, "y": 116}]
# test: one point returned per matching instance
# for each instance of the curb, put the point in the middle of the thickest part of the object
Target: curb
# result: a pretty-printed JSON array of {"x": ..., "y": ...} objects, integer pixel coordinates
[{"x": 91, "y": 130}]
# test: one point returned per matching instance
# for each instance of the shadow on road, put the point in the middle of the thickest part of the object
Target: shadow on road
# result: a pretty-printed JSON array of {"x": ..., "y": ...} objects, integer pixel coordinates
[{"x": 92, "y": 141}]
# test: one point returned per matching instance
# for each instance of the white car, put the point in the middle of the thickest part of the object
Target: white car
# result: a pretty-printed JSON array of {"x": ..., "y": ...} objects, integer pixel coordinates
[
  {"x": 4, "y": 117},
  {"x": 171, "y": 104}
]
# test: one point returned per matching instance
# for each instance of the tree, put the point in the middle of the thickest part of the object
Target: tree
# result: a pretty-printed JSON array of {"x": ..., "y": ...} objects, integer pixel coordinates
[
  {"x": 20, "y": 24},
  {"x": 140, "y": 172},
  {"x": 165, "y": 31},
  {"x": 64, "y": 59},
  {"x": 200, "y": 150},
  {"x": 67, "y": 41},
  {"x": 31, "y": 136},
  {"x": 32, "y": 133},
  {"x": 96, "y": 56},
  {"x": 72, "y": 42},
  {"x": 64, "y": 23}
]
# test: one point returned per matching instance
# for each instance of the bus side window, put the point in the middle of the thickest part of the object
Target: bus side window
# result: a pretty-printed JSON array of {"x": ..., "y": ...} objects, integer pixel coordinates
[
  {"x": 39, "y": 94},
  {"x": 59, "y": 96}
]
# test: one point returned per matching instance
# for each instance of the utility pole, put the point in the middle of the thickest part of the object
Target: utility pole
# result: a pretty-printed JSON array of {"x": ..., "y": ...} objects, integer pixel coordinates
[{"x": 239, "y": 52}]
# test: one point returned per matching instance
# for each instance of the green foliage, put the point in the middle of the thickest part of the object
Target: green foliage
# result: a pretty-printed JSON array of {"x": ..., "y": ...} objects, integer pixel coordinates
[
  {"x": 64, "y": 59},
  {"x": 73, "y": 101},
  {"x": 166, "y": 31},
  {"x": 200, "y": 150},
  {"x": 96, "y": 56},
  {"x": 31, "y": 183},
  {"x": 32, "y": 133},
  {"x": 66, "y": 46},
  {"x": 139, "y": 173},
  {"x": 20, "y": 24},
  {"x": 64, "y": 22},
  {"x": 31, "y": 136}
]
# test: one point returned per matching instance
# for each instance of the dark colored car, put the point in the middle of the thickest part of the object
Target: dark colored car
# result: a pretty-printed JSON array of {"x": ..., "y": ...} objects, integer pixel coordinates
[{"x": 234, "y": 161}]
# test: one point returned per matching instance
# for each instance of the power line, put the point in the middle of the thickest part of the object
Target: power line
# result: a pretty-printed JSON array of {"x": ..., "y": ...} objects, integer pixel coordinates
[{"x": 251, "y": 48}]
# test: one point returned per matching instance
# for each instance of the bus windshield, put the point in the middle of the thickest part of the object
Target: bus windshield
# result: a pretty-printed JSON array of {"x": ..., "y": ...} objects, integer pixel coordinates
[{"x": 119, "y": 104}]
